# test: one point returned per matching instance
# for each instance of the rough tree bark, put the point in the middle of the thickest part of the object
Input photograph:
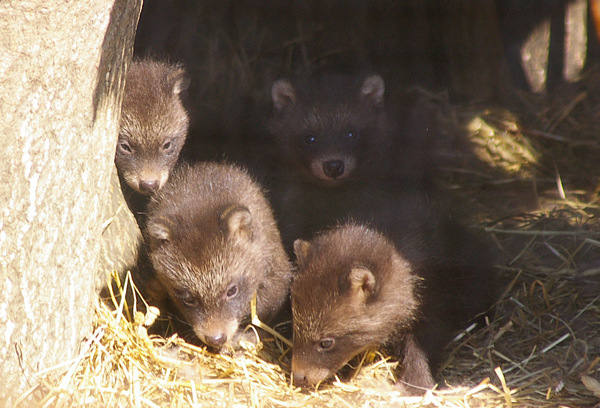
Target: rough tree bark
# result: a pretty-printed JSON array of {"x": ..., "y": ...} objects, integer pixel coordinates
[{"x": 62, "y": 68}]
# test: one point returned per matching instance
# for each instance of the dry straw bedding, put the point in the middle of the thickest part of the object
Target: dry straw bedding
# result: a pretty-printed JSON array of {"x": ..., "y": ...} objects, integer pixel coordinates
[{"x": 535, "y": 195}]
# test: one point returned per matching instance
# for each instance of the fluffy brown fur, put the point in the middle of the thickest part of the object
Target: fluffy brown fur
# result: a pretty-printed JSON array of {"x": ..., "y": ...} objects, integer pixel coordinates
[
  {"x": 213, "y": 243},
  {"x": 352, "y": 291},
  {"x": 411, "y": 294},
  {"x": 153, "y": 124}
]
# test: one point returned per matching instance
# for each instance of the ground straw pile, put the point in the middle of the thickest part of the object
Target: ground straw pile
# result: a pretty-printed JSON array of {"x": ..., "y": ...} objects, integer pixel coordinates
[{"x": 121, "y": 366}]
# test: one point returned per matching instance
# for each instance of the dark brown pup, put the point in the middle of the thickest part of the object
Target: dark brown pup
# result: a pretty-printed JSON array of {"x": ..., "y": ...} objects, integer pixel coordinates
[
  {"x": 356, "y": 290},
  {"x": 213, "y": 244},
  {"x": 332, "y": 129},
  {"x": 340, "y": 145},
  {"x": 153, "y": 124}
]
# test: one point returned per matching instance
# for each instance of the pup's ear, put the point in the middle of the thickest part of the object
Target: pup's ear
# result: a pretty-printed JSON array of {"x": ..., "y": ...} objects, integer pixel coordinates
[
  {"x": 362, "y": 283},
  {"x": 180, "y": 80},
  {"x": 283, "y": 94},
  {"x": 159, "y": 233},
  {"x": 372, "y": 90},
  {"x": 301, "y": 249},
  {"x": 236, "y": 221}
]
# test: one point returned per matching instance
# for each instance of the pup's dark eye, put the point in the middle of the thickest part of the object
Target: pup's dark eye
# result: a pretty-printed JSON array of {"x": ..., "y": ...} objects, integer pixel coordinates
[
  {"x": 167, "y": 146},
  {"x": 187, "y": 299},
  {"x": 351, "y": 136},
  {"x": 310, "y": 140},
  {"x": 326, "y": 343},
  {"x": 232, "y": 291},
  {"x": 124, "y": 147}
]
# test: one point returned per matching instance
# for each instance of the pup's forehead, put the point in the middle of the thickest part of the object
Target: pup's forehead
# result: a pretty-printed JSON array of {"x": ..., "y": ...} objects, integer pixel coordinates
[{"x": 326, "y": 115}]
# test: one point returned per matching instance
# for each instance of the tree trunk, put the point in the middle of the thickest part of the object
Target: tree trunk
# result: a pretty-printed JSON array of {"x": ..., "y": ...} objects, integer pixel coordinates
[{"x": 62, "y": 68}]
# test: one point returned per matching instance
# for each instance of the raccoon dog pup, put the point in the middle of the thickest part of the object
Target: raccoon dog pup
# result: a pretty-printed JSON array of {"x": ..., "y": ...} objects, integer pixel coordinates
[
  {"x": 355, "y": 289},
  {"x": 213, "y": 244},
  {"x": 153, "y": 125}
]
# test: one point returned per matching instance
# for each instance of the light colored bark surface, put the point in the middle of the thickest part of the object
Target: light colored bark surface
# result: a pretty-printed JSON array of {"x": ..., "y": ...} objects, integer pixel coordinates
[
  {"x": 120, "y": 236},
  {"x": 61, "y": 78}
]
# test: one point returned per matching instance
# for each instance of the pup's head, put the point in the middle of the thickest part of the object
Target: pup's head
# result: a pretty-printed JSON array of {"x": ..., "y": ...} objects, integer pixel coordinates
[
  {"x": 330, "y": 128},
  {"x": 351, "y": 292},
  {"x": 210, "y": 270},
  {"x": 153, "y": 125}
]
